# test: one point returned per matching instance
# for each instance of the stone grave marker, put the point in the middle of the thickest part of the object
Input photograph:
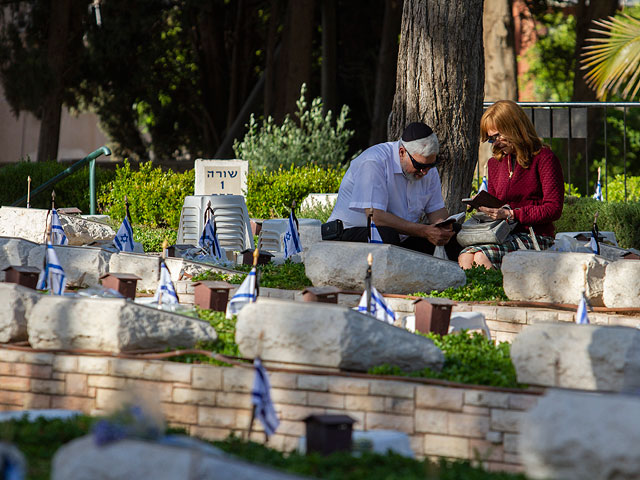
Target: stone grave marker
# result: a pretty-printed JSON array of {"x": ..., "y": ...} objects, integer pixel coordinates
[{"x": 221, "y": 177}]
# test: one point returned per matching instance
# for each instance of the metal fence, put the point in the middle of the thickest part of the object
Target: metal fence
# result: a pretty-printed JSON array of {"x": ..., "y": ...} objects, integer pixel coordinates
[{"x": 577, "y": 123}]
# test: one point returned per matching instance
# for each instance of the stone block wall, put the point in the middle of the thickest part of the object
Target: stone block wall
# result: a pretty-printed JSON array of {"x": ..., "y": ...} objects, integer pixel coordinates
[{"x": 211, "y": 402}]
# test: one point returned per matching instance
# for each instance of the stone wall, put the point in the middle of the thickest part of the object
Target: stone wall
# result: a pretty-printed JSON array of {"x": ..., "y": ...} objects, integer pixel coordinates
[{"x": 211, "y": 402}]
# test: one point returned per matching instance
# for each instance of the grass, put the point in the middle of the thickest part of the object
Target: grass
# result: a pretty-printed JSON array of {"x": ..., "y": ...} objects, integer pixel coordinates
[{"x": 482, "y": 285}]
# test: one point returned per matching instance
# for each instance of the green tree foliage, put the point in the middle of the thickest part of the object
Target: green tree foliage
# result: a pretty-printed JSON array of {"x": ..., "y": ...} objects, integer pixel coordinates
[
  {"x": 551, "y": 59},
  {"x": 309, "y": 139},
  {"x": 155, "y": 196}
]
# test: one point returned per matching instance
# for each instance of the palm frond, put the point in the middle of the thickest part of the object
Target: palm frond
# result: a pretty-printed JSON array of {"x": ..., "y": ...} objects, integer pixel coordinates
[{"x": 612, "y": 62}]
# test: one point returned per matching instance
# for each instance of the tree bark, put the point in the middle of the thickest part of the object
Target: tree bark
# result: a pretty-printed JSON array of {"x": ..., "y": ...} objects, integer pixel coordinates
[
  {"x": 329, "y": 55},
  {"x": 295, "y": 56},
  {"x": 385, "y": 71},
  {"x": 440, "y": 81},
  {"x": 500, "y": 71},
  {"x": 57, "y": 49}
]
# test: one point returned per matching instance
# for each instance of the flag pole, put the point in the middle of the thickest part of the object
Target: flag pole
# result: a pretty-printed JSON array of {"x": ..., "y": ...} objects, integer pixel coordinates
[
  {"x": 367, "y": 282},
  {"x": 28, "y": 191},
  {"x": 595, "y": 233},
  {"x": 127, "y": 214}
]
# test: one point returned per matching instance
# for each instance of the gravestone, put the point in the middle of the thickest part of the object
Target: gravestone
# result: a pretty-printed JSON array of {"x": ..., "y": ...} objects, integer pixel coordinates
[{"x": 221, "y": 177}]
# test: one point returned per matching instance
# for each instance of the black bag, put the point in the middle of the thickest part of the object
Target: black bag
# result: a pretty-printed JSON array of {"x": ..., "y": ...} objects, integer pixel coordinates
[{"x": 332, "y": 230}]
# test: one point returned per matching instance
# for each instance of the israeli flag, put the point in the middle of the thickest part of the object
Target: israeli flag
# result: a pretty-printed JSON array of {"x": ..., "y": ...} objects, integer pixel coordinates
[
  {"x": 261, "y": 399},
  {"x": 374, "y": 234},
  {"x": 598, "y": 194},
  {"x": 58, "y": 236},
  {"x": 209, "y": 241},
  {"x": 165, "y": 287},
  {"x": 292, "y": 243},
  {"x": 594, "y": 245},
  {"x": 379, "y": 308},
  {"x": 124, "y": 237},
  {"x": 581, "y": 314},
  {"x": 52, "y": 277},
  {"x": 484, "y": 186},
  {"x": 245, "y": 294}
]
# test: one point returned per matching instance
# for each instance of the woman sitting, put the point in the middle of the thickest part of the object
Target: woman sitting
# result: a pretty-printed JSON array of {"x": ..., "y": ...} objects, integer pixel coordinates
[{"x": 523, "y": 173}]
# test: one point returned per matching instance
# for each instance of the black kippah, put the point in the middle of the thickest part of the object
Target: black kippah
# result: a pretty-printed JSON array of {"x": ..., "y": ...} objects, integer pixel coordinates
[{"x": 416, "y": 130}]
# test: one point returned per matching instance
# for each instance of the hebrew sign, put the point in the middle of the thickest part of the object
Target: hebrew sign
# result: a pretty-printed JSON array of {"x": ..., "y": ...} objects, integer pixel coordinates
[{"x": 221, "y": 177}]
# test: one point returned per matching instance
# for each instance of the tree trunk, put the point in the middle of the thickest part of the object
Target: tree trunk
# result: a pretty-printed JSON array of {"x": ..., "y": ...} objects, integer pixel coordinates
[
  {"x": 440, "y": 81},
  {"x": 275, "y": 12},
  {"x": 329, "y": 55},
  {"x": 385, "y": 71},
  {"x": 500, "y": 65},
  {"x": 295, "y": 57},
  {"x": 57, "y": 50}
]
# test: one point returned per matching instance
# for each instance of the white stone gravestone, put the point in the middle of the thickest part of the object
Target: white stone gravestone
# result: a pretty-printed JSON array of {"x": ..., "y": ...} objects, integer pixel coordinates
[{"x": 221, "y": 177}]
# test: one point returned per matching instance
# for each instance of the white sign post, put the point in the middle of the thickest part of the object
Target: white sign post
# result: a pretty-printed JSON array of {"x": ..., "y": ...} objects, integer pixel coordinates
[{"x": 221, "y": 177}]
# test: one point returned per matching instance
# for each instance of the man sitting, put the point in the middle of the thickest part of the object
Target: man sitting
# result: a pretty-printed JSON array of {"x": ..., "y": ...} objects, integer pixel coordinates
[{"x": 397, "y": 181}]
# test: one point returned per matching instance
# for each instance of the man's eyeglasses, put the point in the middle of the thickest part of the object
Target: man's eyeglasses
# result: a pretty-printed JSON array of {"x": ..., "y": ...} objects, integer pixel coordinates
[
  {"x": 421, "y": 166},
  {"x": 493, "y": 138}
]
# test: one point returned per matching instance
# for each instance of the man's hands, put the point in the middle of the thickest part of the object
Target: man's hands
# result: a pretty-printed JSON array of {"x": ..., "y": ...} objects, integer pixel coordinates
[{"x": 438, "y": 235}]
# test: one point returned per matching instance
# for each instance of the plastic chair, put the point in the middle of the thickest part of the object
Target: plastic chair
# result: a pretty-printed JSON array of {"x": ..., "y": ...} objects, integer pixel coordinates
[
  {"x": 271, "y": 236},
  {"x": 231, "y": 217},
  {"x": 469, "y": 321}
]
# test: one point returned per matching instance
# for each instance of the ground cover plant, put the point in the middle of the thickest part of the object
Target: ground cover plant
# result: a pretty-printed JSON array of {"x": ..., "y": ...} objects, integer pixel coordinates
[
  {"x": 482, "y": 285},
  {"x": 39, "y": 440},
  {"x": 469, "y": 358},
  {"x": 288, "y": 276}
]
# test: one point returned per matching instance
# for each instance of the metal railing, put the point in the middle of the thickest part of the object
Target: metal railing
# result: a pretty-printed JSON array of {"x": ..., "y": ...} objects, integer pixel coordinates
[
  {"x": 571, "y": 121},
  {"x": 91, "y": 160}
]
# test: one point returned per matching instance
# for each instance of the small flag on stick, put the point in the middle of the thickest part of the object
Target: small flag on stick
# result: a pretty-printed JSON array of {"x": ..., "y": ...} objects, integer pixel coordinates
[
  {"x": 58, "y": 236},
  {"x": 378, "y": 307},
  {"x": 263, "y": 408},
  {"x": 598, "y": 194},
  {"x": 28, "y": 191},
  {"x": 374, "y": 234},
  {"x": 292, "y": 244},
  {"x": 247, "y": 292},
  {"x": 124, "y": 238},
  {"x": 209, "y": 238},
  {"x": 166, "y": 292},
  {"x": 595, "y": 233},
  {"x": 52, "y": 277},
  {"x": 581, "y": 314},
  {"x": 484, "y": 186}
]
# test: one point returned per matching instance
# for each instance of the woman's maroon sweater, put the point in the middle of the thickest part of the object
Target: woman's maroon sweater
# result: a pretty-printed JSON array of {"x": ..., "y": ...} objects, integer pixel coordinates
[{"x": 536, "y": 194}]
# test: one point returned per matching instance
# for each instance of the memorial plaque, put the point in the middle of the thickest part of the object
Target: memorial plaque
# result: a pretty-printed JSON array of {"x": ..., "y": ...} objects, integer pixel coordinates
[{"x": 221, "y": 177}]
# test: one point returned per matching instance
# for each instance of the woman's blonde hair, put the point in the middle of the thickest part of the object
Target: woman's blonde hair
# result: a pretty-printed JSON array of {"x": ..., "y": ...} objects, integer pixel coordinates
[{"x": 512, "y": 123}]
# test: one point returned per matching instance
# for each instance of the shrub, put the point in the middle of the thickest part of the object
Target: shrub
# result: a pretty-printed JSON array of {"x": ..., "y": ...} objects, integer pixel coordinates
[
  {"x": 615, "y": 189},
  {"x": 155, "y": 196},
  {"x": 288, "y": 276},
  {"x": 311, "y": 140},
  {"x": 270, "y": 194},
  {"x": 621, "y": 218},
  {"x": 482, "y": 285},
  {"x": 73, "y": 191},
  {"x": 469, "y": 358},
  {"x": 152, "y": 238},
  {"x": 319, "y": 212}
]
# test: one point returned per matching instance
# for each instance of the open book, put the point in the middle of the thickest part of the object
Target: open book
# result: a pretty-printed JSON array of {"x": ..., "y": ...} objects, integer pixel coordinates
[
  {"x": 452, "y": 219},
  {"x": 483, "y": 199}
]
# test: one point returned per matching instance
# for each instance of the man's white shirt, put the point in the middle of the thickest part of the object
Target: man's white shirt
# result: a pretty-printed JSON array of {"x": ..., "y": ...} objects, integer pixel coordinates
[{"x": 375, "y": 180}]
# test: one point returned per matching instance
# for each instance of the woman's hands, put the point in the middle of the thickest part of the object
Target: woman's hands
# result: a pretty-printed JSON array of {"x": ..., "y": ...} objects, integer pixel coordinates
[{"x": 502, "y": 213}]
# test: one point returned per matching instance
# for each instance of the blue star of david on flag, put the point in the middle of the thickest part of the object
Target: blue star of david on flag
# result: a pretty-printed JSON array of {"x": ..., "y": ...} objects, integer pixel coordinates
[
  {"x": 379, "y": 308},
  {"x": 292, "y": 244},
  {"x": 58, "y": 236},
  {"x": 124, "y": 237},
  {"x": 209, "y": 240},
  {"x": 52, "y": 277},
  {"x": 261, "y": 399},
  {"x": 581, "y": 314},
  {"x": 166, "y": 292},
  {"x": 246, "y": 293}
]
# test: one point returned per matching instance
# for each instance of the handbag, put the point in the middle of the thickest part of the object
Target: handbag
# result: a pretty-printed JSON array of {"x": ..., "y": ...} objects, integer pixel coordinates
[
  {"x": 481, "y": 229},
  {"x": 332, "y": 230}
]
